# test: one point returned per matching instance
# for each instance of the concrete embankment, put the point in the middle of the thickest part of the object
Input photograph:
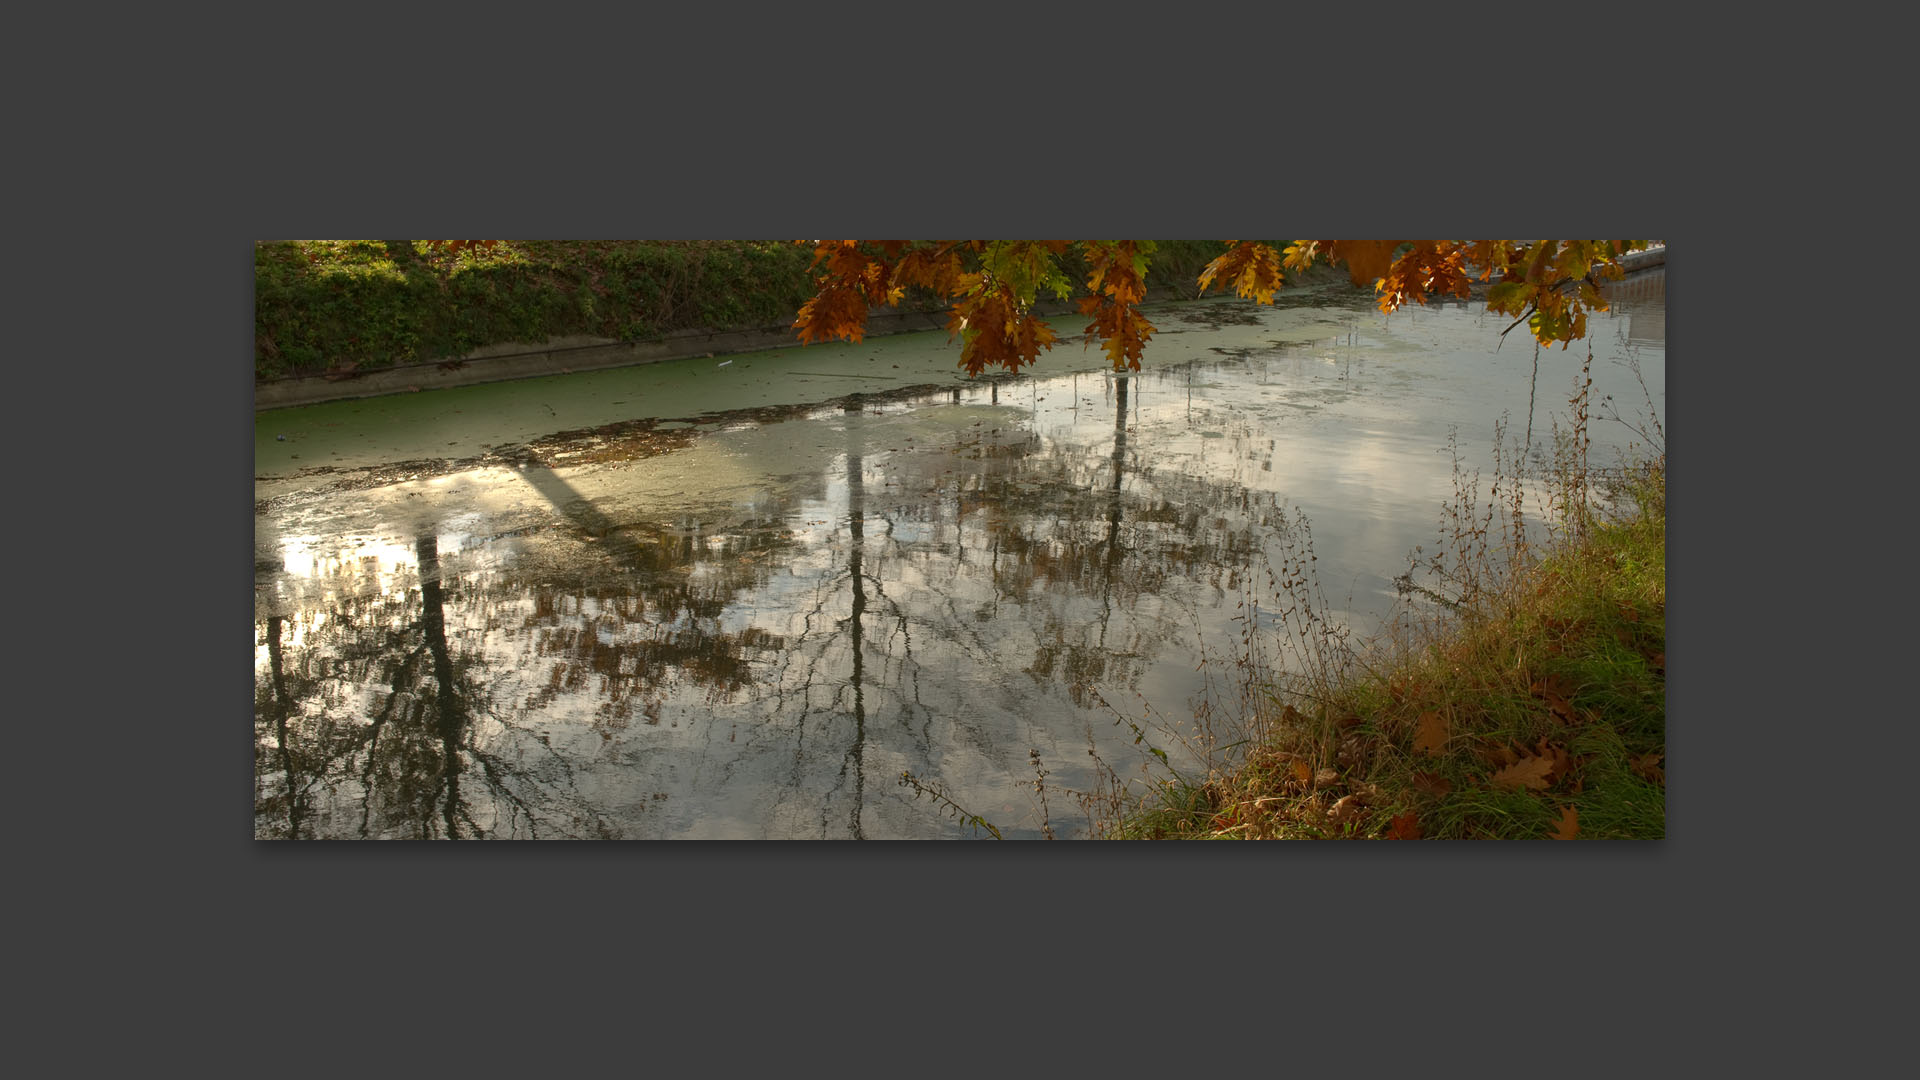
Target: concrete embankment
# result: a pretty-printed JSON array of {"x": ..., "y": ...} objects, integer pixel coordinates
[
  {"x": 1643, "y": 260},
  {"x": 500, "y": 363}
]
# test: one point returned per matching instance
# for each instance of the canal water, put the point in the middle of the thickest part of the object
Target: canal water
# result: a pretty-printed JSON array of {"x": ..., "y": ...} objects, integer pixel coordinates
[{"x": 740, "y": 597}]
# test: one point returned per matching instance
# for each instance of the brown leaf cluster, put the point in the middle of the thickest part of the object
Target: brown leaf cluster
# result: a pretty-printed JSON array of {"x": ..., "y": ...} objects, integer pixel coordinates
[
  {"x": 1535, "y": 770},
  {"x": 1550, "y": 284},
  {"x": 937, "y": 269},
  {"x": 836, "y": 311},
  {"x": 995, "y": 332}
]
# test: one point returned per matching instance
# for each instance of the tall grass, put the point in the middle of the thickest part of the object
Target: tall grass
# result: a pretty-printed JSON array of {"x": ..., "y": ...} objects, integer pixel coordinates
[{"x": 1520, "y": 691}]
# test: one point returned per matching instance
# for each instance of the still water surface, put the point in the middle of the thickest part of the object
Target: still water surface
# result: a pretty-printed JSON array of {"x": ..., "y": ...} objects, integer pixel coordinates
[{"x": 646, "y": 604}]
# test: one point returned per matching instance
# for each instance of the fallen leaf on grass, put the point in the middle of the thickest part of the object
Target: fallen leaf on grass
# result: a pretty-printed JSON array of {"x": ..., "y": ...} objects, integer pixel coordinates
[
  {"x": 1569, "y": 824},
  {"x": 1530, "y": 773},
  {"x": 1302, "y": 771},
  {"x": 1344, "y": 810},
  {"x": 1432, "y": 783},
  {"x": 1404, "y": 827},
  {"x": 1647, "y": 767},
  {"x": 1432, "y": 735},
  {"x": 1325, "y": 778}
]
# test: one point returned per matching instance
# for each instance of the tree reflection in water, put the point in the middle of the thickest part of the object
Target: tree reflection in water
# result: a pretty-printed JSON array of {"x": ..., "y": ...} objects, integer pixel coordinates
[
  {"x": 428, "y": 724},
  {"x": 962, "y": 612}
]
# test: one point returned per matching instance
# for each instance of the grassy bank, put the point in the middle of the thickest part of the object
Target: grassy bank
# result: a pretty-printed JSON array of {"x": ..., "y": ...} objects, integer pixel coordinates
[
  {"x": 338, "y": 305},
  {"x": 1522, "y": 694}
]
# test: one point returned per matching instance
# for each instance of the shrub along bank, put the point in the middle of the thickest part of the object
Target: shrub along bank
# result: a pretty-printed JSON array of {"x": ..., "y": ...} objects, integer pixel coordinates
[{"x": 361, "y": 305}]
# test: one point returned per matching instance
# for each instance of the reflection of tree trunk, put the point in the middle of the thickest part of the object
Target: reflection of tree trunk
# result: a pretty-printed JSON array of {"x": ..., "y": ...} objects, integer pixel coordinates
[
  {"x": 281, "y": 708},
  {"x": 856, "y": 514},
  {"x": 1119, "y": 470},
  {"x": 1113, "y": 506},
  {"x": 450, "y": 716}
]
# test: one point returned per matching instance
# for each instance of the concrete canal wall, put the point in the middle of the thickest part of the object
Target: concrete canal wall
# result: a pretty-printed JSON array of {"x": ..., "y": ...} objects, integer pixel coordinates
[{"x": 498, "y": 363}]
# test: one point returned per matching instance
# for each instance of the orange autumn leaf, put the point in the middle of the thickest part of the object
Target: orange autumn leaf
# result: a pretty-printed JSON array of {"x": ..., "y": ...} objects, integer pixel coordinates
[
  {"x": 837, "y": 312},
  {"x": 1530, "y": 773},
  {"x": 1569, "y": 825},
  {"x": 1432, "y": 783},
  {"x": 1302, "y": 771},
  {"x": 1404, "y": 827},
  {"x": 1428, "y": 269},
  {"x": 1647, "y": 767},
  {"x": 1115, "y": 285},
  {"x": 1432, "y": 734},
  {"x": 1367, "y": 260}
]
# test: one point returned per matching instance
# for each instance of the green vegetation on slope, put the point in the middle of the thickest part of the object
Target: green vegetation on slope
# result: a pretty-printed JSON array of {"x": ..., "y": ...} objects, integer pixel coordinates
[
  {"x": 335, "y": 305},
  {"x": 1531, "y": 704}
]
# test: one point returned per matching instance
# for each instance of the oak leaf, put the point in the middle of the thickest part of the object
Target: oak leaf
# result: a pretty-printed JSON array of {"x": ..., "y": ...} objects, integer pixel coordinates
[
  {"x": 1252, "y": 270},
  {"x": 1569, "y": 825},
  {"x": 1530, "y": 773},
  {"x": 1367, "y": 260},
  {"x": 1432, "y": 734},
  {"x": 1432, "y": 783}
]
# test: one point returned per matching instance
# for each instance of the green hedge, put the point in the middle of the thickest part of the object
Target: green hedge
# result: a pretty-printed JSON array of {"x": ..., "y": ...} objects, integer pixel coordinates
[{"x": 330, "y": 304}]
